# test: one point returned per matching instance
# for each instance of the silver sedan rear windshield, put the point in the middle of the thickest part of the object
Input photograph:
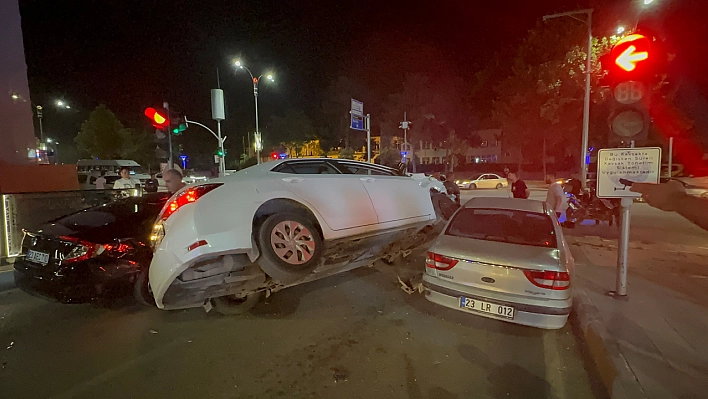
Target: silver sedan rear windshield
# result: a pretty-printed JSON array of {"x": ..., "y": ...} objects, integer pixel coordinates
[{"x": 504, "y": 225}]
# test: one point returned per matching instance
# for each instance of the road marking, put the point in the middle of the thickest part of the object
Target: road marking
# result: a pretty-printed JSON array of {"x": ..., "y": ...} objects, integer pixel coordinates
[
  {"x": 554, "y": 364},
  {"x": 102, "y": 378}
]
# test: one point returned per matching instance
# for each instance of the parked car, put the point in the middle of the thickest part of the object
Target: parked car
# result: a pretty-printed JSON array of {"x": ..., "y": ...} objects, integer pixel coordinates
[
  {"x": 486, "y": 180},
  {"x": 228, "y": 241},
  {"x": 97, "y": 253},
  {"x": 502, "y": 258}
]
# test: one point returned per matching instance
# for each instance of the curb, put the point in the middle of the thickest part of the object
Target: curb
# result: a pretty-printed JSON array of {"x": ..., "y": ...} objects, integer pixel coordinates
[{"x": 612, "y": 367}]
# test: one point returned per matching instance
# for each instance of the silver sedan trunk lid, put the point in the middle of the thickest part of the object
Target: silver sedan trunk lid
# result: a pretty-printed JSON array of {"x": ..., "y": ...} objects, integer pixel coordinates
[{"x": 499, "y": 266}]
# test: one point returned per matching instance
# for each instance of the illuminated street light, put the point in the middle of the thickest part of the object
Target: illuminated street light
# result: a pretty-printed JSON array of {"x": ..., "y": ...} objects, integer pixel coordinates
[
  {"x": 647, "y": 2},
  {"x": 62, "y": 104},
  {"x": 255, "y": 81},
  {"x": 620, "y": 30},
  {"x": 15, "y": 96}
]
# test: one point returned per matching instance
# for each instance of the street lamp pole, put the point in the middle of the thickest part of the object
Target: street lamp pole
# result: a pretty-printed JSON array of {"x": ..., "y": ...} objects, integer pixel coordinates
[
  {"x": 586, "y": 103},
  {"x": 41, "y": 129},
  {"x": 255, "y": 81}
]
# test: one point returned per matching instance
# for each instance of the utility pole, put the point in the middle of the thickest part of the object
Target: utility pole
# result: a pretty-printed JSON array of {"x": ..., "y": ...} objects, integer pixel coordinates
[
  {"x": 405, "y": 125},
  {"x": 41, "y": 129}
]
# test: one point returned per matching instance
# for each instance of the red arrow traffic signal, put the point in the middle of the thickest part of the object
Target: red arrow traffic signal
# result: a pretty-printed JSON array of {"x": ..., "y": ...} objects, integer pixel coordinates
[
  {"x": 629, "y": 52},
  {"x": 159, "y": 119}
]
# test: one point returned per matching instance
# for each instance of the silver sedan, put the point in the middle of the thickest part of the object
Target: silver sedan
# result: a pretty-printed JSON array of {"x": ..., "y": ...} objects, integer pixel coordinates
[{"x": 502, "y": 258}]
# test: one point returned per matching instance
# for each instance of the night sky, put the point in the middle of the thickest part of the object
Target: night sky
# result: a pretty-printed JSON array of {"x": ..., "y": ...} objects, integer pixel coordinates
[{"x": 133, "y": 54}]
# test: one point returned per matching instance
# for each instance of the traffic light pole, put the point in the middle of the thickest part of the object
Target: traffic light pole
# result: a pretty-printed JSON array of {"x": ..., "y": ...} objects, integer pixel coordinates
[
  {"x": 586, "y": 104},
  {"x": 168, "y": 132},
  {"x": 222, "y": 165},
  {"x": 586, "y": 107}
]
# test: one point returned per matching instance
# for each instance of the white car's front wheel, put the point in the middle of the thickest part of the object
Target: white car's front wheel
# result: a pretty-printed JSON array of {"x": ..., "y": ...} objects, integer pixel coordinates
[{"x": 290, "y": 246}]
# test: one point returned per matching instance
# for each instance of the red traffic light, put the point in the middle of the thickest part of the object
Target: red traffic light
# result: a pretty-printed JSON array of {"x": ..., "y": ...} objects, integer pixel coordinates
[
  {"x": 159, "y": 119},
  {"x": 630, "y": 52}
]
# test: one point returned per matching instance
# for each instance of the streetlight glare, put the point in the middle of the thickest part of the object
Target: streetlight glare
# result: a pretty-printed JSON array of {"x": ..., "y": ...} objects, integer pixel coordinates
[
  {"x": 647, "y": 2},
  {"x": 620, "y": 30},
  {"x": 15, "y": 96},
  {"x": 60, "y": 103},
  {"x": 270, "y": 77},
  {"x": 68, "y": 107},
  {"x": 237, "y": 63}
]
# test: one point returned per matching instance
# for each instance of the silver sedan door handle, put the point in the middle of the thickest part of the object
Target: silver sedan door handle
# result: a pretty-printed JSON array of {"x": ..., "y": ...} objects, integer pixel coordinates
[
  {"x": 367, "y": 179},
  {"x": 293, "y": 179}
]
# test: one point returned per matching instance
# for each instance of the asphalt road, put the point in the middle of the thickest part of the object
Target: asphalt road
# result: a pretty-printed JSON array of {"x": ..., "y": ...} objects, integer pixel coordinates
[{"x": 357, "y": 335}]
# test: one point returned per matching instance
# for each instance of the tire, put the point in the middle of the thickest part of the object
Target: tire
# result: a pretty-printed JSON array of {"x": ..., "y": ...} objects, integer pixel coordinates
[
  {"x": 231, "y": 306},
  {"x": 141, "y": 289},
  {"x": 499, "y": 186},
  {"x": 473, "y": 186},
  {"x": 292, "y": 261}
]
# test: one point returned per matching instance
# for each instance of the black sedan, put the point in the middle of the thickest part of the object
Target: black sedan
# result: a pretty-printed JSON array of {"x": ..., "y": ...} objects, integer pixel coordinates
[{"x": 97, "y": 253}]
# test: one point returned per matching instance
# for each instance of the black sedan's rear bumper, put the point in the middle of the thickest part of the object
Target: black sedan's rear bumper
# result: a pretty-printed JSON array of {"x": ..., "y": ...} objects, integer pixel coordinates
[{"x": 85, "y": 282}]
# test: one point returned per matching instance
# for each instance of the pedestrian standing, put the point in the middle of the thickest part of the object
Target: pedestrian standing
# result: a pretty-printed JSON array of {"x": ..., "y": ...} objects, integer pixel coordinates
[
  {"x": 151, "y": 184},
  {"x": 554, "y": 196},
  {"x": 101, "y": 182},
  {"x": 125, "y": 181},
  {"x": 518, "y": 187}
]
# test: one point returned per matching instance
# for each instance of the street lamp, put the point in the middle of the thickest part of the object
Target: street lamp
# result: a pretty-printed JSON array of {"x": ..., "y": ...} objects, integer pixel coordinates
[
  {"x": 62, "y": 104},
  {"x": 56, "y": 149},
  {"x": 15, "y": 96},
  {"x": 620, "y": 30},
  {"x": 647, "y": 2},
  {"x": 586, "y": 104},
  {"x": 255, "y": 81}
]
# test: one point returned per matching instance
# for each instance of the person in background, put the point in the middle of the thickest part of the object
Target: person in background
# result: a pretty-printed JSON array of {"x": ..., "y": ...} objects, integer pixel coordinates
[
  {"x": 151, "y": 184},
  {"x": 672, "y": 197},
  {"x": 125, "y": 180},
  {"x": 554, "y": 196},
  {"x": 173, "y": 180},
  {"x": 518, "y": 187},
  {"x": 451, "y": 187},
  {"x": 101, "y": 182}
]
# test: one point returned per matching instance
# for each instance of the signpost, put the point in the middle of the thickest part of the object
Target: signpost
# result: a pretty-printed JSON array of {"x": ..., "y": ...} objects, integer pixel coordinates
[
  {"x": 405, "y": 125},
  {"x": 617, "y": 170},
  {"x": 361, "y": 122}
]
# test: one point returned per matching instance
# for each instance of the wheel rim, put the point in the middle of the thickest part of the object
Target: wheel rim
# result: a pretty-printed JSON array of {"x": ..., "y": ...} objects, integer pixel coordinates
[{"x": 292, "y": 242}]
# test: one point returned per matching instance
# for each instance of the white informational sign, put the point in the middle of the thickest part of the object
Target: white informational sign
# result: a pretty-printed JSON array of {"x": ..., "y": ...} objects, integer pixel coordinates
[
  {"x": 618, "y": 168},
  {"x": 357, "y": 108}
]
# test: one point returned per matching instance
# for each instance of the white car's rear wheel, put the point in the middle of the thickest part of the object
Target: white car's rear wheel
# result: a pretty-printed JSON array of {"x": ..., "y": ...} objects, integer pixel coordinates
[
  {"x": 231, "y": 305},
  {"x": 290, "y": 246},
  {"x": 499, "y": 186},
  {"x": 473, "y": 186}
]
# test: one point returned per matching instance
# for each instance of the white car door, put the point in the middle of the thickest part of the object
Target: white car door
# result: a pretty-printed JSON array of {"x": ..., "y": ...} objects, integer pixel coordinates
[
  {"x": 483, "y": 181},
  {"x": 341, "y": 199},
  {"x": 395, "y": 198}
]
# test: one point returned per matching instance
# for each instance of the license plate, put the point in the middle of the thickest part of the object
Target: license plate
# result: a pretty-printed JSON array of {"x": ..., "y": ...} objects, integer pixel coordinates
[
  {"x": 37, "y": 257},
  {"x": 487, "y": 307}
]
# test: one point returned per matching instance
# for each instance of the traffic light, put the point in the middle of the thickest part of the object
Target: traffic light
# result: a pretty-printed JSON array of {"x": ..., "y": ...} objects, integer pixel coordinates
[
  {"x": 178, "y": 123},
  {"x": 158, "y": 117},
  {"x": 629, "y": 71}
]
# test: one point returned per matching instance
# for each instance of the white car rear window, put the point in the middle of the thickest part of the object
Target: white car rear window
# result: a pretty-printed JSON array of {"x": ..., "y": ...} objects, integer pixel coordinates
[{"x": 504, "y": 225}]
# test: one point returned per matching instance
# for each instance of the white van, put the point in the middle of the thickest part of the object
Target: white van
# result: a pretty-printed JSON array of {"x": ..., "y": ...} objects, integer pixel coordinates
[{"x": 90, "y": 169}]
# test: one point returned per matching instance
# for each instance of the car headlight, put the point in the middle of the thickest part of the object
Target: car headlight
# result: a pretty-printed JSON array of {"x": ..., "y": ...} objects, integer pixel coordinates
[{"x": 158, "y": 233}]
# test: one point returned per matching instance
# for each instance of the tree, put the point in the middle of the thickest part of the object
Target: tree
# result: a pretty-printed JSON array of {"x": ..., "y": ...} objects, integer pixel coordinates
[
  {"x": 334, "y": 124},
  {"x": 102, "y": 135},
  {"x": 346, "y": 153},
  {"x": 293, "y": 130},
  {"x": 540, "y": 105},
  {"x": 139, "y": 146},
  {"x": 389, "y": 156}
]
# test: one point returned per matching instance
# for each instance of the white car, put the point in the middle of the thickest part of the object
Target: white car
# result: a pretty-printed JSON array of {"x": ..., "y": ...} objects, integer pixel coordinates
[
  {"x": 503, "y": 258},
  {"x": 227, "y": 241},
  {"x": 485, "y": 180}
]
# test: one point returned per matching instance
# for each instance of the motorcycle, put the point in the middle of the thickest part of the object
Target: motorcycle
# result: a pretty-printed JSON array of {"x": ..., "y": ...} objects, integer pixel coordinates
[{"x": 585, "y": 205}]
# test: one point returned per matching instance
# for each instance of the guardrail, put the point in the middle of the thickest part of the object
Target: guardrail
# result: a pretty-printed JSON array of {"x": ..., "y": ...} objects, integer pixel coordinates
[{"x": 31, "y": 210}]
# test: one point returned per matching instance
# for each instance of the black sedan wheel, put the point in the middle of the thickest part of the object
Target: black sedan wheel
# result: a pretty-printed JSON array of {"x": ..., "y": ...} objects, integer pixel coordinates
[
  {"x": 290, "y": 246},
  {"x": 142, "y": 291}
]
